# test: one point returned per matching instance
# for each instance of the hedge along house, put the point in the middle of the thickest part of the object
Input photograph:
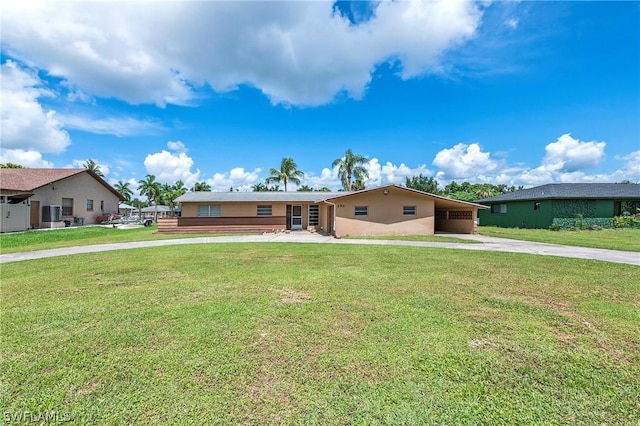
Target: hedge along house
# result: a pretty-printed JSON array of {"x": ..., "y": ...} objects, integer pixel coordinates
[
  {"x": 386, "y": 210},
  {"x": 595, "y": 204},
  {"x": 53, "y": 198}
]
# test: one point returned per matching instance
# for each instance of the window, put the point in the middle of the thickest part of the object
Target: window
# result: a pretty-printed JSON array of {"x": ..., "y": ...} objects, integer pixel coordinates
[
  {"x": 361, "y": 211},
  {"x": 209, "y": 211},
  {"x": 264, "y": 210},
  {"x": 536, "y": 206},
  {"x": 409, "y": 210},
  {"x": 89, "y": 205},
  {"x": 67, "y": 207},
  {"x": 314, "y": 215},
  {"x": 101, "y": 206},
  {"x": 499, "y": 208}
]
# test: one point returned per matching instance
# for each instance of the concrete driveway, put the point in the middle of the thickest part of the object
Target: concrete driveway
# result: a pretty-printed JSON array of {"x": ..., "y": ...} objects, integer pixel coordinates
[{"x": 484, "y": 244}]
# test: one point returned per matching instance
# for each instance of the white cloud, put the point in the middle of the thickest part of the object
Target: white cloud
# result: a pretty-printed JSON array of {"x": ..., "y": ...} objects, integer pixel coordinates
[
  {"x": 176, "y": 146},
  {"x": 631, "y": 168},
  {"x": 24, "y": 158},
  {"x": 463, "y": 161},
  {"x": 168, "y": 168},
  {"x": 301, "y": 53},
  {"x": 116, "y": 126},
  {"x": 512, "y": 23},
  {"x": 26, "y": 125},
  {"x": 378, "y": 175},
  {"x": 565, "y": 161},
  {"x": 237, "y": 178},
  {"x": 569, "y": 155}
]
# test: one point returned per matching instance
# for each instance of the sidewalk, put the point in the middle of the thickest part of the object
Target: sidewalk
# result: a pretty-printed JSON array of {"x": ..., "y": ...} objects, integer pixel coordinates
[{"x": 485, "y": 244}]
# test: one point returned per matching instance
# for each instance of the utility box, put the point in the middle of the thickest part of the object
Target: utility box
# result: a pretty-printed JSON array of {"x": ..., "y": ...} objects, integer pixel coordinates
[{"x": 51, "y": 213}]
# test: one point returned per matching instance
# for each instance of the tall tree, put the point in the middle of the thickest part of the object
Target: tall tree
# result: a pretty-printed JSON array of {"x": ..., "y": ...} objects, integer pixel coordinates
[
  {"x": 288, "y": 173},
  {"x": 151, "y": 189},
  {"x": 201, "y": 186},
  {"x": 124, "y": 190},
  {"x": 178, "y": 189},
  {"x": 91, "y": 165},
  {"x": 350, "y": 166},
  {"x": 259, "y": 187},
  {"x": 422, "y": 183},
  {"x": 305, "y": 188}
]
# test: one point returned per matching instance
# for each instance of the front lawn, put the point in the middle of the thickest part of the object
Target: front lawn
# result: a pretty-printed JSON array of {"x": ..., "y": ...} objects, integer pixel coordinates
[
  {"x": 321, "y": 334},
  {"x": 613, "y": 239},
  {"x": 81, "y": 236}
]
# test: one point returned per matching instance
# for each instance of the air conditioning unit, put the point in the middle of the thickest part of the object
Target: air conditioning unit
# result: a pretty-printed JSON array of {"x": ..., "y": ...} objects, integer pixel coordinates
[{"x": 51, "y": 213}]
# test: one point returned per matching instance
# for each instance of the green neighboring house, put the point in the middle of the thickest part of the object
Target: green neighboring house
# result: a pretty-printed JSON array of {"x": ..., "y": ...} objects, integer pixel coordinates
[{"x": 561, "y": 205}]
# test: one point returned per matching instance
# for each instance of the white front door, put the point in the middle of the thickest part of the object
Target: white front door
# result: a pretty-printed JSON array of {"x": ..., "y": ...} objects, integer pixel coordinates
[{"x": 296, "y": 218}]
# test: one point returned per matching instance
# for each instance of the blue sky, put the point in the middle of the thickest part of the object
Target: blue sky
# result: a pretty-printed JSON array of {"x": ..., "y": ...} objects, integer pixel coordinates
[{"x": 520, "y": 93}]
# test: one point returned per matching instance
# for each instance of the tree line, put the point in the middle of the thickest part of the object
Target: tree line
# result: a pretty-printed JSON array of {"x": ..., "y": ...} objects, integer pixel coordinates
[{"x": 351, "y": 171}]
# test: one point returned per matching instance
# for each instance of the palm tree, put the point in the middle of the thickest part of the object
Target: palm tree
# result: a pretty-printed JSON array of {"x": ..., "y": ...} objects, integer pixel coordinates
[
  {"x": 178, "y": 189},
  {"x": 91, "y": 165},
  {"x": 349, "y": 166},
  {"x": 201, "y": 186},
  {"x": 288, "y": 173},
  {"x": 259, "y": 187},
  {"x": 151, "y": 189},
  {"x": 305, "y": 188},
  {"x": 124, "y": 190}
]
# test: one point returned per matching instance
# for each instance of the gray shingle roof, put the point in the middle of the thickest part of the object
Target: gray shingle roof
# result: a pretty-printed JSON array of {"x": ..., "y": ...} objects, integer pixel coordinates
[
  {"x": 256, "y": 197},
  {"x": 571, "y": 191}
]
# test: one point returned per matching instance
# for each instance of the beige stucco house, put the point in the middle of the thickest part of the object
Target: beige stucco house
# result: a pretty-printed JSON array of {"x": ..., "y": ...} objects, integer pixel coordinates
[
  {"x": 385, "y": 210},
  {"x": 53, "y": 198}
]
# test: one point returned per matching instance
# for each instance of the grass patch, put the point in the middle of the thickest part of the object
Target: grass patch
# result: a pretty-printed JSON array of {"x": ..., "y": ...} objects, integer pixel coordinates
[
  {"x": 82, "y": 236},
  {"x": 612, "y": 239},
  {"x": 425, "y": 238},
  {"x": 311, "y": 333}
]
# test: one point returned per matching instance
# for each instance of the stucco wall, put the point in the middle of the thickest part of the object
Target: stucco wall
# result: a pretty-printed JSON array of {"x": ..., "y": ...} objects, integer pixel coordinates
[
  {"x": 249, "y": 209},
  {"x": 80, "y": 188},
  {"x": 385, "y": 213}
]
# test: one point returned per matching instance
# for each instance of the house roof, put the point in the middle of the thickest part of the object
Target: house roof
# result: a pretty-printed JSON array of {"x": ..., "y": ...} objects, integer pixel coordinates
[
  {"x": 309, "y": 197},
  {"x": 256, "y": 197},
  {"x": 161, "y": 209},
  {"x": 571, "y": 191},
  {"x": 440, "y": 200},
  {"x": 28, "y": 180}
]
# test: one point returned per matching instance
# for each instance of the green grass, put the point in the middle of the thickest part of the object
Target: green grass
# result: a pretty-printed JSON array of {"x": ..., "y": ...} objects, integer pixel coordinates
[
  {"x": 312, "y": 333},
  {"x": 612, "y": 239},
  {"x": 82, "y": 236}
]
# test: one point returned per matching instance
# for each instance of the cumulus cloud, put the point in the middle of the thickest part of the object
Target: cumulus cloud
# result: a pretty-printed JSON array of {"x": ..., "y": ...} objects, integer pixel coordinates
[
  {"x": 24, "y": 158},
  {"x": 570, "y": 155},
  {"x": 176, "y": 146},
  {"x": 464, "y": 160},
  {"x": 237, "y": 178},
  {"x": 301, "y": 53},
  {"x": 168, "y": 167},
  {"x": 26, "y": 125},
  {"x": 565, "y": 161},
  {"x": 383, "y": 174},
  {"x": 379, "y": 174},
  {"x": 631, "y": 168}
]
